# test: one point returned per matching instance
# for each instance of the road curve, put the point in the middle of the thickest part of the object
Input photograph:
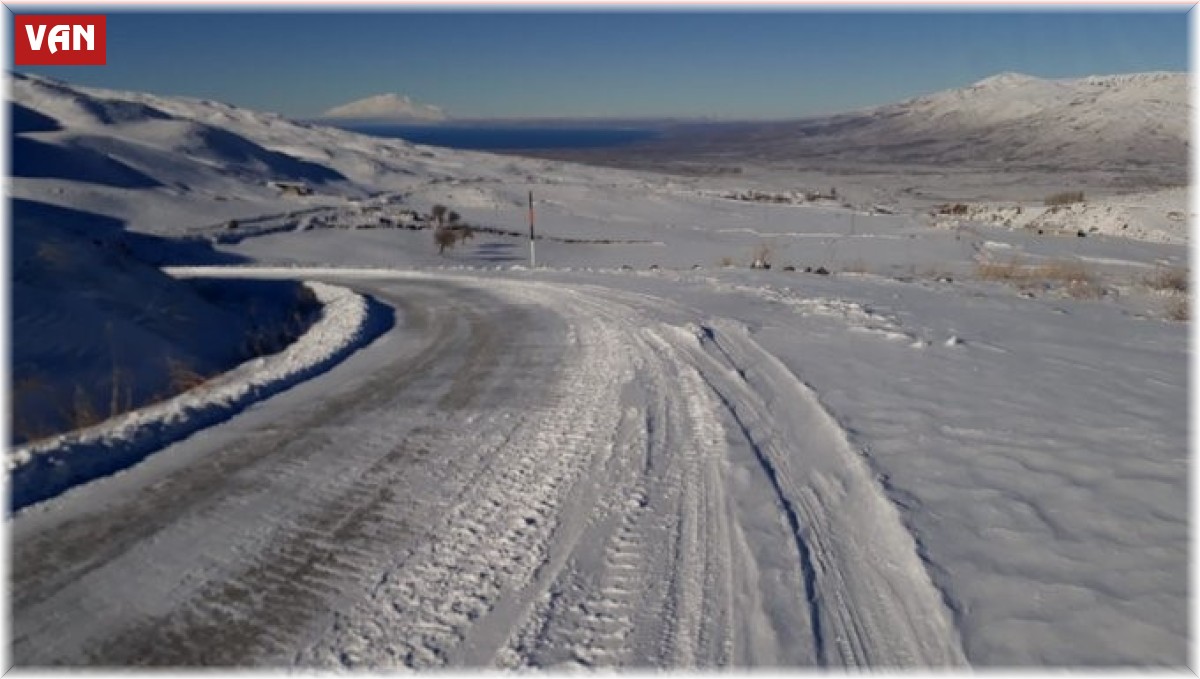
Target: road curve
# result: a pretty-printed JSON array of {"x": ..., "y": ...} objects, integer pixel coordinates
[{"x": 517, "y": 475}]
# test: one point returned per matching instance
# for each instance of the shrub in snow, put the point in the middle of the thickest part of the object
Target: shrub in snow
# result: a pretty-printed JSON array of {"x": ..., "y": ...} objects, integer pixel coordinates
[
  {"x": 1179, "y": 309},
  {"x": 1173, "y": 279},
  {"x": 445, "y": 238},
  {"x": 951, "y": 209},
  {"x": 1064, "y": 198},
  {"x": 762, "y": 257},
  {"x": 438, "y": 214}
]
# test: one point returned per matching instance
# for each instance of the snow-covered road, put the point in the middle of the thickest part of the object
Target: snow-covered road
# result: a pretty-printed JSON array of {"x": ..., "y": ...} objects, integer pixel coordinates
[{"x": 519, "y": 473}]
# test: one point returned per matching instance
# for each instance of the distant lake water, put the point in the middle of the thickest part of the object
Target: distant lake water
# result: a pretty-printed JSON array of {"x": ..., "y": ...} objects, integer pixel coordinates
[{"x": 506, "y": 138}]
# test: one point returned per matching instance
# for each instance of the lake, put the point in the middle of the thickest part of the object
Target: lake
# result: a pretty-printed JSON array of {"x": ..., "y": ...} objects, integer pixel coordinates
[{"x": 496, "y": 138}]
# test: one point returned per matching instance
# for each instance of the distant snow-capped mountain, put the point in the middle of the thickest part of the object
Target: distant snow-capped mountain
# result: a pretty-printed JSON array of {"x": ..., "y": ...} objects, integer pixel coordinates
[{"x": 387, "y": 107}]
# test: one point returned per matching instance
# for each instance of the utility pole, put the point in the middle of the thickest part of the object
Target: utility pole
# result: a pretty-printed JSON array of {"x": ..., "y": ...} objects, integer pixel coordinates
[{"x": 532, "y": 253}]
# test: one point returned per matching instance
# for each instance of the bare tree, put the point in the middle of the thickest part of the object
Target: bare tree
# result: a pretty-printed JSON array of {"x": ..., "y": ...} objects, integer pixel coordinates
[{"x": 438, "y": 212}]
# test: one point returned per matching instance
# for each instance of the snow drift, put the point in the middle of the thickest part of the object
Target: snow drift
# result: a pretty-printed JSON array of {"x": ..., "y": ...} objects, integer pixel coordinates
[{"x": 46, "y": 468}]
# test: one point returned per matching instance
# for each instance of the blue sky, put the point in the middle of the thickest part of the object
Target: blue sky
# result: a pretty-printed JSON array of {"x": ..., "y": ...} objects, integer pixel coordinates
[{"x": 761, "y": 64}]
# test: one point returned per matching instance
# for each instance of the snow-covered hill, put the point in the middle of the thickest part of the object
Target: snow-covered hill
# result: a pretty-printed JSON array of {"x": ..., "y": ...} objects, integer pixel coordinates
[
  {"x": 96, "y": 145},
  {"x": 387, "y": 107},
  {"x": 1138, "y": 119},
  {"x": 1010, "y": 119},
  {"x": 101, "y": 181}
]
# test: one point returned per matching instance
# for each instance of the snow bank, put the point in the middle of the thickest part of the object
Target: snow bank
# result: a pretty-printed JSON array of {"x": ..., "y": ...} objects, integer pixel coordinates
[{"x": 48, "y": 467}]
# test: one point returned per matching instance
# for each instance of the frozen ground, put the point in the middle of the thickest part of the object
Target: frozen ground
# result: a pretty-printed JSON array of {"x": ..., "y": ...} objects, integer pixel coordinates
[{"x": 642, "y": 453}]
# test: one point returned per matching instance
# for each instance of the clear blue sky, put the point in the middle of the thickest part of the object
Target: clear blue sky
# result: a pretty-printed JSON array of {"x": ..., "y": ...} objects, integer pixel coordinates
[{"x": 761, "y": 64}]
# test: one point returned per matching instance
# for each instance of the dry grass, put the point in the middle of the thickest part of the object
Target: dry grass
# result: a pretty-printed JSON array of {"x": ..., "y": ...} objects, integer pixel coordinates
[
  {"x": 1178, "y": 308},
  {"x": 81, "y": 412},
  {"x": 726, "y": 261},
  {"x": 1169, "y": 278},
  {"x": 1078, "y": 281},
  {"x": 1064, "y": 198},
  {"x": 182, "y": 376},
  {"x": 1014, "y": 270},
  {"x": 1070, "y": 276},
  {"x": 75, "y": 407},
  {"x": 25, "y": 428},
  {"x": 120, "y": 396}
]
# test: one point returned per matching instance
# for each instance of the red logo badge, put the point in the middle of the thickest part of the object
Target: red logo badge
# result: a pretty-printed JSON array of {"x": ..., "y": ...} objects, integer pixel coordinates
[{"x": 59, "y": 40}]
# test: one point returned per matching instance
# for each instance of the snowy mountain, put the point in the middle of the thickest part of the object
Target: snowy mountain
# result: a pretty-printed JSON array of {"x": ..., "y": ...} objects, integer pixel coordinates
[
  {"x": 386, "y": 107},
  {"x": 1009, "y": 119}
]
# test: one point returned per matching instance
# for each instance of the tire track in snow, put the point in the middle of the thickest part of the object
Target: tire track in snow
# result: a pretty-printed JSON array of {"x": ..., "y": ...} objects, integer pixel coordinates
[
  {"x": 494, "y": 542},
  {"x": 867, "y": 598},
  {"x": 659, "y": 593},
  {"x": 871, "y": 601},
  {"x": 697, "y": 638}
]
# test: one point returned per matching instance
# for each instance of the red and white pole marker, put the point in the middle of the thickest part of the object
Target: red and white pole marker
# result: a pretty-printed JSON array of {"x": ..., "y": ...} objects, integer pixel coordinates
[{"x": 532, "y": 252}]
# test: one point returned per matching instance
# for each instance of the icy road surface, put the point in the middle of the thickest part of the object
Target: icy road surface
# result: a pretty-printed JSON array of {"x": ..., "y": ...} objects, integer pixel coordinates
[{"x": 518, "y": 474}]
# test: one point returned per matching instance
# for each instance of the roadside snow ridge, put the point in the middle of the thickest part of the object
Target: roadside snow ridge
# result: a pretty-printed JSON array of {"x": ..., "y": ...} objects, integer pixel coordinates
[{"x": 45, "y": 468}]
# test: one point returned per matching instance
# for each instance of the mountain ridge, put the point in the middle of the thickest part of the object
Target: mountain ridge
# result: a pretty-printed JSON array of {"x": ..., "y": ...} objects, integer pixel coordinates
[{"x": 1006, "y": 120}]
